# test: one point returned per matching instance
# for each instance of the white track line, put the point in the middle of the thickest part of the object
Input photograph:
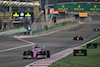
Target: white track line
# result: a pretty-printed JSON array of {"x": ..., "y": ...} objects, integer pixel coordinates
[
  {"x": 31, "y": 43},
  {"x": 24, "y": 40},
  {"x": 16, "y": 47}
]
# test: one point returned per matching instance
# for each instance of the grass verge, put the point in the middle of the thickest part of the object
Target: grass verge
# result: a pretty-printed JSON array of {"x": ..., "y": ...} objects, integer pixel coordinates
[{"x": 91, "y": 60}]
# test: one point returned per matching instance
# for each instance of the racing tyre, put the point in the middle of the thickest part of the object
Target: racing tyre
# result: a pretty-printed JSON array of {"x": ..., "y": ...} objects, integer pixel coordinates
[
  {"x": 24, "y": 58},
  {"x": 24, "y": 53},
  {"x": 48, "y": 53},
  {"x": 94, "y": 29},
  {"x": 74, "y": 38},
  {"x": 81, "y": 38}
]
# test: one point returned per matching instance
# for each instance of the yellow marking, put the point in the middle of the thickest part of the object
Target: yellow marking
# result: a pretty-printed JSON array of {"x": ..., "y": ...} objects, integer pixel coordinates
[
  {"x": 79, "y": 51},
  {"x": 79, "y": 6},
  {"x": 27, "y": 15},
  {"x": 15, "y": 15},
  {"x": 91, "y": 45},
  {"x": 63, "y": 6},
  {"x": 95, "y": 6}
]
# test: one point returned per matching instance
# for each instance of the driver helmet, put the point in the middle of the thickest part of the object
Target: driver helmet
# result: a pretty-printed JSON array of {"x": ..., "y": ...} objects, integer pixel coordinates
[{"x": 36, "y": 46}]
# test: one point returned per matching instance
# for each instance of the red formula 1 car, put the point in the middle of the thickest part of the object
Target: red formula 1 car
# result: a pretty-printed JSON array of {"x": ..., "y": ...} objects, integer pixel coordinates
[
  {"x": 78, "y": 38},
  {"x": 37, "y": 52}
]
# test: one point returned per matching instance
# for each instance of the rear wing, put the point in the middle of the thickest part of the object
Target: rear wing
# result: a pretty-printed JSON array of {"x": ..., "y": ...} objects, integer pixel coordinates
[{"x": 41, "y": 47}]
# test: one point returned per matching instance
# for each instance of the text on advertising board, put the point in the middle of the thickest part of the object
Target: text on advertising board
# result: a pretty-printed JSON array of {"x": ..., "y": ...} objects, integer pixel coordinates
[
  {"x": 83, "y": 14},
  {"x": 80, "y": 52},
  {"x": 77, "y": 7}
]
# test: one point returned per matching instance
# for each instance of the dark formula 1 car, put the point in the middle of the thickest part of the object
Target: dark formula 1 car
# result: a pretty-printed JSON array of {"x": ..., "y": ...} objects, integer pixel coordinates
[
  {"x": 38, "y": 52},
  {"x": 78, "y": 38},
  {"x": 96, "y": 29}
]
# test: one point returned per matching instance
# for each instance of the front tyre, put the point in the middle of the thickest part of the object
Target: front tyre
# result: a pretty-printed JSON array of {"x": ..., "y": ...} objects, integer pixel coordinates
[
  {"x": 81, "y": 38},
  {"x": 74, "y": 38}
]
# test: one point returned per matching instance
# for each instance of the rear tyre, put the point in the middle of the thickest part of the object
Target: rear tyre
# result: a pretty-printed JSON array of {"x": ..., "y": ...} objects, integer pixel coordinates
[
  {"x": 98, "y": 30},
  {"x": 81, "y": 38},
  {"x": 48, "y": 54},
  {"x": 94, "y": 29}
]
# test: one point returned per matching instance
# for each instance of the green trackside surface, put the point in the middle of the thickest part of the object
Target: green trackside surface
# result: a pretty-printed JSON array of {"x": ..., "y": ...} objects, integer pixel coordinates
[
  {"x": 41, "y": 31},
  {"x": 91, "y": 60},
  {"x": 96, "y": 41}
]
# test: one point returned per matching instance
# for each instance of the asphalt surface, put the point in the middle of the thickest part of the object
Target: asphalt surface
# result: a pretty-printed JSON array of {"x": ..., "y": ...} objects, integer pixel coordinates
[{"x": 54, "y": 42}]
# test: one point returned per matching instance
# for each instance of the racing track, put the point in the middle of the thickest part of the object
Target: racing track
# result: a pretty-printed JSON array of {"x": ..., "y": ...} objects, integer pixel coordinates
[{"x": 54, "y": 42}]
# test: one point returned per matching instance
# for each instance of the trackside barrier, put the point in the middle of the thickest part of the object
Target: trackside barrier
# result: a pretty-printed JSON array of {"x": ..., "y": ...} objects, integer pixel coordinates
[{"x": 52, "y": 27}]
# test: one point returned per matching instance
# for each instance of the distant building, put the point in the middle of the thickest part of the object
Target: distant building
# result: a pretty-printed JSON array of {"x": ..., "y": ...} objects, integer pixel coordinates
[{"x": 8, "y": 6}]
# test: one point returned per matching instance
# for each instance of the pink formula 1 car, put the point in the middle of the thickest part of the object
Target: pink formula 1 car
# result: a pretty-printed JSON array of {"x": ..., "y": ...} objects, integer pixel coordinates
[{"x": 37, "y": 52}]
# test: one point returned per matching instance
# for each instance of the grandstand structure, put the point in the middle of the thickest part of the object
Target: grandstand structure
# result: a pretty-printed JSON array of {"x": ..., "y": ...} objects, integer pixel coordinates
[{"x": 7, "y": 7}]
